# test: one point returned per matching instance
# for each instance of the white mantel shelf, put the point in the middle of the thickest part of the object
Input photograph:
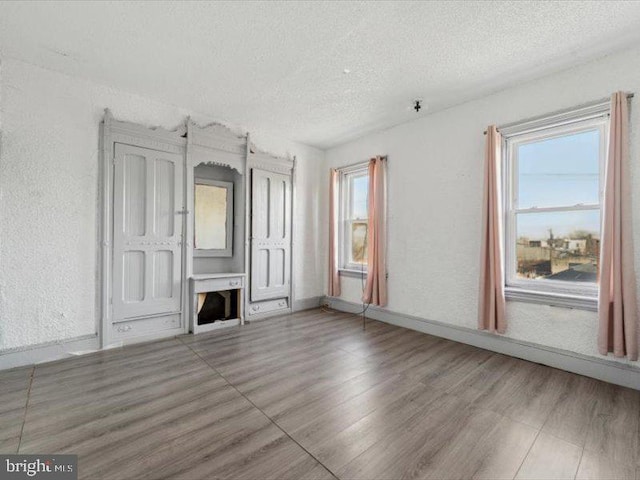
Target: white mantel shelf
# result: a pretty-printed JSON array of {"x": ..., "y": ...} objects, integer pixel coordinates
[{"x": 207, "y": 276}]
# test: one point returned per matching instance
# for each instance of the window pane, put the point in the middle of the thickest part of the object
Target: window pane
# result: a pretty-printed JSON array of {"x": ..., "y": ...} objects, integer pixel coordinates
[
  {"x": 359, "y": 196},
  {"x": 359, "y": 242},
  {"x": 562, "y": 171},
  {"x": 558, "y": 246}
]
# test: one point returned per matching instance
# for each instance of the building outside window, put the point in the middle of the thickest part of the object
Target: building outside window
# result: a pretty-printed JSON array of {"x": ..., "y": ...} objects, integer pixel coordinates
[{"x": 553, "y": 184}]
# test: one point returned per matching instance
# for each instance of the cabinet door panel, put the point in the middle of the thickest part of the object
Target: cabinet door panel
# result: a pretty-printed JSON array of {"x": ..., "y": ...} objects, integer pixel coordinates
[
  {"x": 147, "y": 234},
  {"x": 271, "y": 237}
]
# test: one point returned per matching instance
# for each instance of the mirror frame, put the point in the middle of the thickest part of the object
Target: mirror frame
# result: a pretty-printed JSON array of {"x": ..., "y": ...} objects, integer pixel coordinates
[{"x": 218, "y": 252}]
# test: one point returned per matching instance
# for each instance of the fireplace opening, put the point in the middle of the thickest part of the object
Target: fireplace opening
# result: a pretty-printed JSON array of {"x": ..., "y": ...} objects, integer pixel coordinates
[{"x": 215, "y": 306}]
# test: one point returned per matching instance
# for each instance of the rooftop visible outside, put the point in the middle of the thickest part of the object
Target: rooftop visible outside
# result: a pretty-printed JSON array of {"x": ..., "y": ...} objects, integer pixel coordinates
[{"x": 558, "y": 173}]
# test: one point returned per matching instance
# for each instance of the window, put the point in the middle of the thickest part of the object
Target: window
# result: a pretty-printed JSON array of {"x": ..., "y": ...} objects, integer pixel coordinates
[
  {"x": 354, "y": 189},
  {"x": 553, "y": 192}
]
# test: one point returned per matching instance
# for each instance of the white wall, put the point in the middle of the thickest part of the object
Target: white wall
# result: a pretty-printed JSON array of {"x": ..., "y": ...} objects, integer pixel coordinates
[
  {"x": 49, "y": 200},
  {"x": 435, "y": 191}
]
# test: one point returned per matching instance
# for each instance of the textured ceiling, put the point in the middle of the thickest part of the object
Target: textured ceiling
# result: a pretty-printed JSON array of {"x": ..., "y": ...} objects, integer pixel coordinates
[{"x": 280, "y": 66}]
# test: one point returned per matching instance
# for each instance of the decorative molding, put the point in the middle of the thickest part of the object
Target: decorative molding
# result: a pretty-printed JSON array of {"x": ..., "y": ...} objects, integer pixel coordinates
[
  {"x": 154, "y": 136},
  {"x": 217, "y": 137},
  {"x": 599, "y": 368},
  {"x": 215, "y": 144},
  {"x": 199, "y": 155},
  {"x": 266, "y": 161},
  {"x": 48, "y": 352}
]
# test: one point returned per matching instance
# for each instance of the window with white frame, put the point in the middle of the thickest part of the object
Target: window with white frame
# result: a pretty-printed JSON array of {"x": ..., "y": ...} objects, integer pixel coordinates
[
  {"x": 553, "y": 184},
  {"x": 354, "y": 195}
]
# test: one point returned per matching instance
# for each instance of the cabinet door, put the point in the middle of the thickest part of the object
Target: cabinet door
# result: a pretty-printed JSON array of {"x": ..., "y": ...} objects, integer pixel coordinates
[
  {"x": 147, "y": 233},
  {"x": 270, "y": 235}
]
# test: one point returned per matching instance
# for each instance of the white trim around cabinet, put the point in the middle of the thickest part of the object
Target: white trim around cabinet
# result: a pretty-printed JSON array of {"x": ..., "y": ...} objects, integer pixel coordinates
[{"x": 113, "y": 131}]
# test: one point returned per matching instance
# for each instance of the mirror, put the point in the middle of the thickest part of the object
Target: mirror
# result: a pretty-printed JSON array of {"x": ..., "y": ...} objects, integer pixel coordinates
[{"x": 213, "y": 217}]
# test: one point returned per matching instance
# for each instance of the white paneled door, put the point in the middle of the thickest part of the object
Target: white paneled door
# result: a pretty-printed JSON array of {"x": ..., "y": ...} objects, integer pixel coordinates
[
  {"x": 270, "y": 235},
  {"x": 147, "y": 234}
]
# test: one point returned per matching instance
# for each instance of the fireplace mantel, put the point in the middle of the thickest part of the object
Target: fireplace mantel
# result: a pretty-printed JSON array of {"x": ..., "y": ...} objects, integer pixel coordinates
[{"x": 216, "y": 282}]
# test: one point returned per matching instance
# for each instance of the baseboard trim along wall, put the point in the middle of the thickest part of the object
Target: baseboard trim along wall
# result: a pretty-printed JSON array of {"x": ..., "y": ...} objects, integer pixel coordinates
[
  {"x": 307, "y": 303},
  {"x": 48, "y": 352},
  {"x": 601, "y": 369}
]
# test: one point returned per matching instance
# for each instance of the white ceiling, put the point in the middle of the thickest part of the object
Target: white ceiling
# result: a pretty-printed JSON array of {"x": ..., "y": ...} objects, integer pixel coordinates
[{"x": 279, "y": 65}]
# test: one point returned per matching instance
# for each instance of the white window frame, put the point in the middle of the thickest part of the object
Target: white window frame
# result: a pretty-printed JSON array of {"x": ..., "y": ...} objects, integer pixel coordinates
[
  {"x": 345, "y": 221},
  {"x": 549, "y": 292}
]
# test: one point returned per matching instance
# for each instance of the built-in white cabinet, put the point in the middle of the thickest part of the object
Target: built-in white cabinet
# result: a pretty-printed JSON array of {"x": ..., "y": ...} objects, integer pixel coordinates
[
  {"x": 142, "y": 291},
  {"x": 270, "y": 239},
  {"x": 196, "y": 231}
]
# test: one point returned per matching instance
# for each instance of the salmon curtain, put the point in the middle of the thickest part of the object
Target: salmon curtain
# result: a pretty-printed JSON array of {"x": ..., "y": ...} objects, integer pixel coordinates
[
  {"x": 334, "y": 277},
  {"x": 375, "y": 290},
  {"x": 617, "y": 307},
  {"x": 491, "y": 308}
]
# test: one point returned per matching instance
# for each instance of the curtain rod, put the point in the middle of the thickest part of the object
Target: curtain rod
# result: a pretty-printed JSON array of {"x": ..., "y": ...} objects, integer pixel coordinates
[
  {"x": 584, "y": 105},
  {"x": 359, "y": 164}
]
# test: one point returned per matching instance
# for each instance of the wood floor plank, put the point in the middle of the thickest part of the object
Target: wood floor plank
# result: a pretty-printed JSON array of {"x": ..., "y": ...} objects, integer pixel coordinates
[
  {"x": 13, "y": 399},
  {"x": 339, "y": 386},
  {"x": 500, "y": 454},
  {"x": 598, "y": 466},
  {"x": 490, "y": 446},
  {"x": 550, "y": 458},
  {"x": 337, "y": 451},
  {"x": 321, "y": 426},
  {"x": 525, "y": 394},
  {"x": 612, "y": 444},
  {"x": 575, "y": 411},
  {"x": 313, "y": 395},
  {"x": 414, "y": 443}
]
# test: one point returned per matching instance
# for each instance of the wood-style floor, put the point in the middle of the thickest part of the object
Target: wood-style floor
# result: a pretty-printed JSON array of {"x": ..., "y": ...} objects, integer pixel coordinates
[{"x": 313, "y": 396}]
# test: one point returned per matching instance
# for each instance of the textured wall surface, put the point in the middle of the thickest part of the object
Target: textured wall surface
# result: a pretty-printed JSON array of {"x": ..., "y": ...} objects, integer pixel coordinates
[
  {"x": 49, "y": 200},
  {"x": 435, "y": 191}
]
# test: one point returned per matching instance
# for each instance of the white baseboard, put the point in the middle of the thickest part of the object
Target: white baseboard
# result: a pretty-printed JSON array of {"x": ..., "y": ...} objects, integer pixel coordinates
[
  {"x": 598, "y": 368},
  {"x": 48, "y": 352},
  {"x": 307, "y": 303}
]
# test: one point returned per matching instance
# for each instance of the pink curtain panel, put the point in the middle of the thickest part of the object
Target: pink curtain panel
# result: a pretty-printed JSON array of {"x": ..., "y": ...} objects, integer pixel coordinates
[
  {"x": 617, "y": 307},
  {"x": 375, "y": 290},
  {"x": 491, "y": 308}
]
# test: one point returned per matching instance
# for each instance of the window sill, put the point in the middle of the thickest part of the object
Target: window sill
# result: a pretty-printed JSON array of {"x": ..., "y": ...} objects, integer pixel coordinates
[
  {"x": 577, "y": 302},
  {"x": 349, "y": 272}
]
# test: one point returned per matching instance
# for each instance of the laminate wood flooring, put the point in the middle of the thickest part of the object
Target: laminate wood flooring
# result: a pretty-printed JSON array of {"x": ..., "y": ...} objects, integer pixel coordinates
[{"x": 314, "y": 396}]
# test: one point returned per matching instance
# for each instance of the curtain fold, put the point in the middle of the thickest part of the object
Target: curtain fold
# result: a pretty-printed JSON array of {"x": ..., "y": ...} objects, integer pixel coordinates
[
  {"x": 334, "y": 277},
  {"x": 491, "y": 308},
  {"x": 617, "y": 307},
  {"x": 375, "y": 290}
]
